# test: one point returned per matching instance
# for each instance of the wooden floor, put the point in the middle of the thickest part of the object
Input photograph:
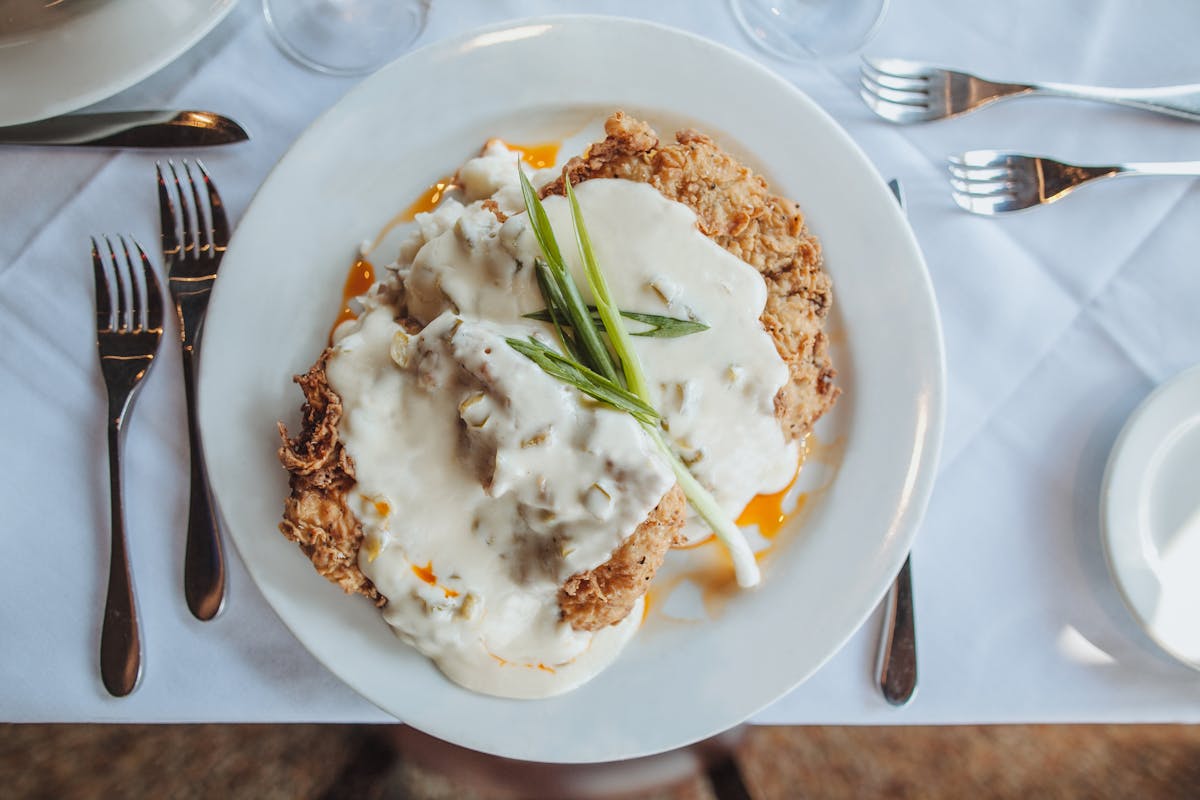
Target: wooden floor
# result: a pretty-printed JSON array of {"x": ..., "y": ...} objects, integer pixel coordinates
[{"x": 346, "y": 761}]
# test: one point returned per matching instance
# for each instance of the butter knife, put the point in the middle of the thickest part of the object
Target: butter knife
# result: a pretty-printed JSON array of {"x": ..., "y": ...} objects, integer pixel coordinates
[
  {"x": 897, "y": 668},
  {"x": 151, "y": 129}
]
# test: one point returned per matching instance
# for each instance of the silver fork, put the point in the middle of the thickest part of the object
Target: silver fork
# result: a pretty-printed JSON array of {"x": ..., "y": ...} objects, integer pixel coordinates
[
  {"x": 995, "y": 182},
  {"x": 193, "y": 244},
  {"x": 129, "y": 322},
  {"x": 912, "y": 91}
]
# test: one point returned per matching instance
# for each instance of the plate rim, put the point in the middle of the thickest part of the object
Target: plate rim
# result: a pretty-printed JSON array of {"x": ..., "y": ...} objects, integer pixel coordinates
[
  {"x": 1108, "y": 527},
  {"x": 897, "y": 543},
  {"x": 214, "y": 11}
]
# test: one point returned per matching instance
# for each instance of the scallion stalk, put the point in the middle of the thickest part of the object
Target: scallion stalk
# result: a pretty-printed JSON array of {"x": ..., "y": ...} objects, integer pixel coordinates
[
  {"x": 627, "y": 357},
  {"x": 590, "y": 367}
]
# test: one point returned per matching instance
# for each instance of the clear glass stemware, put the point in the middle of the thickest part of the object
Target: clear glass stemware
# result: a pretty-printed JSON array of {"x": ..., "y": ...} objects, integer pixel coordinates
[
  {"x": 345, "y": 37},
  {"x": 803, "y": 29}
]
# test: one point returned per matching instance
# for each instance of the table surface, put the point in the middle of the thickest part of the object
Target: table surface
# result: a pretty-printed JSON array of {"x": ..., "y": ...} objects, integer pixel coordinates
[{"x": 1057, "y": 323}]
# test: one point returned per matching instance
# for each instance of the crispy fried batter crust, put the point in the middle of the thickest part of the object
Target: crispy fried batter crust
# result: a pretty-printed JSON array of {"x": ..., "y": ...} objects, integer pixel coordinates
[
  {"x": 315, "y": 515},
  {"x": 605, "y": 595},
  {"x": 736, "y": 210}
]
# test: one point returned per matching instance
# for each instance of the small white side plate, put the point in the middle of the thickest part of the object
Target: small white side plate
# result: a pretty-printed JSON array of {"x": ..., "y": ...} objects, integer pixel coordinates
[
  {"x": 1150, "y": 515},
  {"x": 72, "y": 55}
]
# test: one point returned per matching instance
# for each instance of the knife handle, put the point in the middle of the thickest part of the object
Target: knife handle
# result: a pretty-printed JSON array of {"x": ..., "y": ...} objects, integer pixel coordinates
[
  {"x": 898, "y": 648},
  {"x": 204, "y": 563}
]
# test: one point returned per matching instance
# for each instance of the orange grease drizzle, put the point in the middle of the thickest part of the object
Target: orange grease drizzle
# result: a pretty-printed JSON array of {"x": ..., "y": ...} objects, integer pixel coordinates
[
  {"x": 425, "y": 573},
  {"x": 359, "y": 278},
  {"x": 766, "y": 510},
  {"x": 504, "y": 662},
  {"x": 426, "y": 202},
  {"x": 538, "y": 156}
]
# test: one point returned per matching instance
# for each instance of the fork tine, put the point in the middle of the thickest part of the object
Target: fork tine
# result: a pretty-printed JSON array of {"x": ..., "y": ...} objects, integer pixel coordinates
[
  {"x": 220, "y": 225},
  {"x": 168, "y": 221},
  {"x": 982, "y": 158},
  {"x": 900, "y": 97},
  {"x": 895, "y": 112},
  {"x": 983, "y": 188},
  {"x": 989, "y": 205},
  {"x": 188, "y": 241},
  {"x": 901, "y": 68},
  {"x": 202, "y": 234},
  {"x": 154, "y": 301},
  {"x": 871, "y": 100},
  {"x": 122, "y": 322},
  {"x": 104, "y": 309},
  {"x": 137, "y": 307},
  {"x": 965, "y": 173},
  {"x": 900, "y": 83}
]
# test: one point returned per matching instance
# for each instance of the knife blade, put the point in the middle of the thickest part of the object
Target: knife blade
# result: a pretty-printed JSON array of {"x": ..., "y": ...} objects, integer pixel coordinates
[{"x": 150, "y": 129}]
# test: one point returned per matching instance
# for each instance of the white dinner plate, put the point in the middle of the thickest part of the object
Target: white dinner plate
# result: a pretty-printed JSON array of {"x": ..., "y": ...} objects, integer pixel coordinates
[
  {"x": 1150, "y": 513},
  {"x": 683, "y": 678},
  {"x": 78, "y": 52}
]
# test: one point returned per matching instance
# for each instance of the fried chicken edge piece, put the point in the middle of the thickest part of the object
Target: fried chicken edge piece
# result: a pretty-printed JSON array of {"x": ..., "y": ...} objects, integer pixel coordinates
[
  {"x": 735, "y": 209},
  {"x": 320, "y": 475},
  {"x": 316, "y": 516}
]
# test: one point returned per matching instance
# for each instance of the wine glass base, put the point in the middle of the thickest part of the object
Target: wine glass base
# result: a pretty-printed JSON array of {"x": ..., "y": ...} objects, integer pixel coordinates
[
  {"x": 344, "y": 37},
  {"x": 799, "y": 30}
]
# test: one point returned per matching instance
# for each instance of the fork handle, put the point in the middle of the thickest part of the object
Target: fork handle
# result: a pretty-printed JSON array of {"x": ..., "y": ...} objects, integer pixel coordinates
[
  {"x": 1178, "y": 168},
  {"x": 120, "y": 642},
  {"x": 204, "y": 563},
  {"x": 1177, "y": 101}
]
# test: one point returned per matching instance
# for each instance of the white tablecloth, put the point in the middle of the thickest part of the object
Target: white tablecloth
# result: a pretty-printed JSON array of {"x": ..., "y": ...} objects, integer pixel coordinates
[{"x": 1057, "y": 324}]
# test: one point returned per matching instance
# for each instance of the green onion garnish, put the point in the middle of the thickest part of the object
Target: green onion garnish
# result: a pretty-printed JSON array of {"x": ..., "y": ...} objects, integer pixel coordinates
[
  {"x": 563, "y": 295},
  {"x": 590, "y": 367},
  {"x": 660, "y": 327},
  {"x": 585, "y": 380}
]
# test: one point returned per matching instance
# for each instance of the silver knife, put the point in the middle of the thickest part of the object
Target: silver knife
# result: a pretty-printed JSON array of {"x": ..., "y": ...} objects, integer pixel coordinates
[
  {"x": 153, "y": 129},
  {"x": 897, "y": 668}
]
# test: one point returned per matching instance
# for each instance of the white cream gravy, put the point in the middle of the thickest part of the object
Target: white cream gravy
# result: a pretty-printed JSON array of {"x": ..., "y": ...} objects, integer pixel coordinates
[{"x": 483, "y": 483}]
